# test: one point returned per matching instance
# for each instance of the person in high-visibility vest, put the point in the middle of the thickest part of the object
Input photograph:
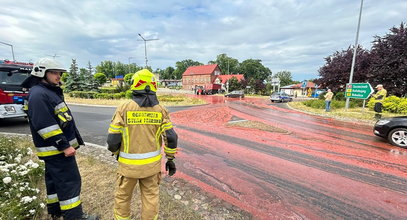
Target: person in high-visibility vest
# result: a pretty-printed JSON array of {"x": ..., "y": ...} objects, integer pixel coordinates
[
  {"x": 138, "y": 130},
  {"x": 328, "y": 99},
  {"x": 379, "y": 96}
]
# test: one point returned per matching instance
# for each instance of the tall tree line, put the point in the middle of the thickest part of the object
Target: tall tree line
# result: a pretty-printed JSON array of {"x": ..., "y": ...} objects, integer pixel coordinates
[{"x": 385, "y": 63}]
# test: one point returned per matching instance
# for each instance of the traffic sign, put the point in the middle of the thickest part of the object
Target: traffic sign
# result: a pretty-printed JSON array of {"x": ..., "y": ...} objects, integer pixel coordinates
[{"x": 358, "y": 90}]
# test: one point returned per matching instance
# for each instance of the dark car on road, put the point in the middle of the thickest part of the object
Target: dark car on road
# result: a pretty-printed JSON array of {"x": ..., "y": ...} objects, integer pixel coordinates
[
  {"x": 280, "y": 97},
  {"x": 393, "y": 129},
  {"x": 235, "y": 94}
]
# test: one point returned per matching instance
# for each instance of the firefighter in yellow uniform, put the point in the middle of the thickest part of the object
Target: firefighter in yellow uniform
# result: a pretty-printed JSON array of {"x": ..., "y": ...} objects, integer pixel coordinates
[
  {"x": 379, "y": 96},
  {"x": 139, "y": 129}
]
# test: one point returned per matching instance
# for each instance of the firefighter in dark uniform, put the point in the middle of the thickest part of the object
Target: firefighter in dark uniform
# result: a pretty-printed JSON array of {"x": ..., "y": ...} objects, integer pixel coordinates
[
  {"x": 137, "y": 132},
  {"x": 56, "y": 139}
]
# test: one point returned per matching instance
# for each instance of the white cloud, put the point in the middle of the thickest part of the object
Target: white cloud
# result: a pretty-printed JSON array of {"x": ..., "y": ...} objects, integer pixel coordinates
[{"x": 289, "y": 35}]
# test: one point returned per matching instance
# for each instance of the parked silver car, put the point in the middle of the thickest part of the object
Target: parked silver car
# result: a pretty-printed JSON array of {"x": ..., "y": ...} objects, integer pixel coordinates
[{"x": 280, "y": 97}]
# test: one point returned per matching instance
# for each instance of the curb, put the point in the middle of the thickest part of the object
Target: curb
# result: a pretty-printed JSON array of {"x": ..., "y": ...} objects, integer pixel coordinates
[{"x": 29, "y": 135}]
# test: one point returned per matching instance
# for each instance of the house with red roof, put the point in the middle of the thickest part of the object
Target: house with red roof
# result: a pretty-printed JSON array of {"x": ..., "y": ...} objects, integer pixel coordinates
[
  {"x": 302, "y": 89},
  {"x": 200, "y": 76},
  {"x": 206, "y": 77}
]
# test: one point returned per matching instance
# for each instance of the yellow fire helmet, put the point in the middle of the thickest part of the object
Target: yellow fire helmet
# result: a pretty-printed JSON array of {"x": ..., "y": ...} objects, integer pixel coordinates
[{"x": 143, "y": 78}]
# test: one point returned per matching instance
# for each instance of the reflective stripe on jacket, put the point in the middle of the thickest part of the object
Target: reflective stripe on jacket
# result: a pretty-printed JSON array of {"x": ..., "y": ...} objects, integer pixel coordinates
[
  {"x": 52, "y": 126},
  {"x": 143, "y": 131}
]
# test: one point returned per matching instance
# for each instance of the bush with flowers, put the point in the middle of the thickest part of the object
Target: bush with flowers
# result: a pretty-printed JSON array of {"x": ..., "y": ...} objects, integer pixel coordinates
[{"x": 20, "y": 176}]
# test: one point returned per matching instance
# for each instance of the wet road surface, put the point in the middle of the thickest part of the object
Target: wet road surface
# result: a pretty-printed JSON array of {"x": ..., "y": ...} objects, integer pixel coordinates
[{"x": 320, "y": 169}]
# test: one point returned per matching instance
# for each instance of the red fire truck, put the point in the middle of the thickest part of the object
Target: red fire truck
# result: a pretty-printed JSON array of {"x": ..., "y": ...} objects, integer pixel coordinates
[{"x": 12, "y": 95}]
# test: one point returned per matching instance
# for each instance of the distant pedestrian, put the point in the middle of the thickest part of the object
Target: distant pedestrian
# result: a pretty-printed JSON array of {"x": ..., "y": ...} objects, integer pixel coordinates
[
  {"x": 328, "y": 98},
  {"x": 379, "y": 97}
]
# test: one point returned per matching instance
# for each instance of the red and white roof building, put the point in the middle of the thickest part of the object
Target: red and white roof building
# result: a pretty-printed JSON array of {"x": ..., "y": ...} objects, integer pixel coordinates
[{"x": 206, "y": 76}]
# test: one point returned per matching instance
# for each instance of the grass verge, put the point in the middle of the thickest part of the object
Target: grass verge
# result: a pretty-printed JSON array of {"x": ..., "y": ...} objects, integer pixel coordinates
[
  {"x": 359, "y": 114},
  {"x": 23, "y": 195},
  {"x": 165, "y": 99},
  {"x": 257, "y": 125}
]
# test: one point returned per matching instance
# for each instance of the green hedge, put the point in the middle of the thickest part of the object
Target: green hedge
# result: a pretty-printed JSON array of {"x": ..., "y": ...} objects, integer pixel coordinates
[
  {"x": 96, "y": 95},
  {"x": 109, "y": 89},
  {"x": 391, "y": 104},
  {"x": 320, "y": 104}
]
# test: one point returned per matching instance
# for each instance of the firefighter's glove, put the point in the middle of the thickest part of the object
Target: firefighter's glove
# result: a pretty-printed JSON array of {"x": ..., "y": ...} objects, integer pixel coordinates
[{"x": 170, "y": 167}]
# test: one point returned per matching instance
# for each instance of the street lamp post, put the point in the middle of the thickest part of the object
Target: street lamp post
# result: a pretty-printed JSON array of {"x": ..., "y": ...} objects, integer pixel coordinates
[
  {"x": 145, "y": 46},
  {"x": 12, "y": 50},
  {"x": 354, "y": 52}
]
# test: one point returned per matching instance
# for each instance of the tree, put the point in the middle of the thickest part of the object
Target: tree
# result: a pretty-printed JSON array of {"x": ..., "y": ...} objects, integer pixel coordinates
[
  {"x": 107, "y": 68},
  {"x": 168, "y": 73},
  {"x": 73, "y": 82},
  {"x": 234, "y": 84},
  {"x": 228, "y": 65},
  {"x": 100, "y": 78},
  {"x": 254, "y": 69},
  {"x": 64, "y": 77},
  {"x": 181, "y": 66},
  {"x": 285, "y": 78},
  {"x": 389, "y": 61},
  {"x": 336, "y": 71},
  {"x": 90, "y": 68}
]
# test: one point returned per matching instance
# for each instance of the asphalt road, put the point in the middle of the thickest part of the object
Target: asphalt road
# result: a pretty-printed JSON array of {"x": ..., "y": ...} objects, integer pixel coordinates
[
  {"x": 311, "y": 168},
  {"x": 92, "y": 122}
]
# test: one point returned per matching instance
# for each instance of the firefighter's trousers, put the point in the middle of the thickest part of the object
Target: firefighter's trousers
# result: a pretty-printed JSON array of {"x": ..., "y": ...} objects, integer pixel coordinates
[
  {"x": 63, "y": 183},
  {"x": 149, "y": 190}
]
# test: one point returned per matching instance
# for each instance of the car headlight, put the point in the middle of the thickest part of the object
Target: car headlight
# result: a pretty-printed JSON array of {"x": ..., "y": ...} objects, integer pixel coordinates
[{"x": 382, "y": 122}]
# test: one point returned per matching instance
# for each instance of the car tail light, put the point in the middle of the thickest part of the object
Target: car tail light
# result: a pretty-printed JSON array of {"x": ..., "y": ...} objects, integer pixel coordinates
[{"x": 5, "y": 97}]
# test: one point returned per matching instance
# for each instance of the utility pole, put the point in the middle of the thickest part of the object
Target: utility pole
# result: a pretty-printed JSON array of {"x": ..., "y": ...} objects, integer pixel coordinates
[
  {"x": 354, "y": 53},
  {"x": 145, "y": 46},
  {"x": 12, "y": 50}
]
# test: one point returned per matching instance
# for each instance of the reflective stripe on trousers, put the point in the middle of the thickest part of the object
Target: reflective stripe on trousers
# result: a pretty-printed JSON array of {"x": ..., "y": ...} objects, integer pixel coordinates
[
  {"x": 70, "y": 203},
  {"x": 53, "y": 198}
]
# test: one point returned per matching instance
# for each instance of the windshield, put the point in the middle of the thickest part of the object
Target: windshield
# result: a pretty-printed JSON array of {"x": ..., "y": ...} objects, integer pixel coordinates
[{"x": 14, "y": 77}]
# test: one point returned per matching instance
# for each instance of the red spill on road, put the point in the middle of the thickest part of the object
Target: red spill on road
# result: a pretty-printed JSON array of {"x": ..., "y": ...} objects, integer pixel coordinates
[{"x": 320, "y": 169}]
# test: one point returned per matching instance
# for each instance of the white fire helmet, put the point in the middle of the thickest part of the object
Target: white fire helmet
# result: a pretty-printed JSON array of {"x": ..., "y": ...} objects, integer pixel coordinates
[{"x": 45, "y": 64}]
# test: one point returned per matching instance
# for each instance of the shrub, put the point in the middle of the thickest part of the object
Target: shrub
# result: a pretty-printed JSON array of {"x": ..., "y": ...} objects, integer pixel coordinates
[
  {"x": 19, "y": 177},
  {"x": 109, "y": 89},
  {"x": 129, "y": 94},
  {"x": 391, "y": 104},
  {"x": 339, "y": 96},
  {"x": 83, "y": 94},
  {"x": 315, "y": 103},
  {"x": 170, "y": 98},
  {"x": 320, "y": 104},
  {"x": 100, "y": 78}
]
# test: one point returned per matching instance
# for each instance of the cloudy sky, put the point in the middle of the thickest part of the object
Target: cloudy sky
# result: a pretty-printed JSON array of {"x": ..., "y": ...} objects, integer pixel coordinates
[{"x": 293, "y": 35}]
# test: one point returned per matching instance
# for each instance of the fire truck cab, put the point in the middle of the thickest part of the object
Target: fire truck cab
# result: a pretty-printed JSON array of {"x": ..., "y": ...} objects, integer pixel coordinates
[{"x": 12, "y": 95}]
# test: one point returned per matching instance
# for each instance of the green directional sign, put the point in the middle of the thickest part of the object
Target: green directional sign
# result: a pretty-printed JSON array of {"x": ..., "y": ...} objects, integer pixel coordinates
[{"x": 358, "y": 90}]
